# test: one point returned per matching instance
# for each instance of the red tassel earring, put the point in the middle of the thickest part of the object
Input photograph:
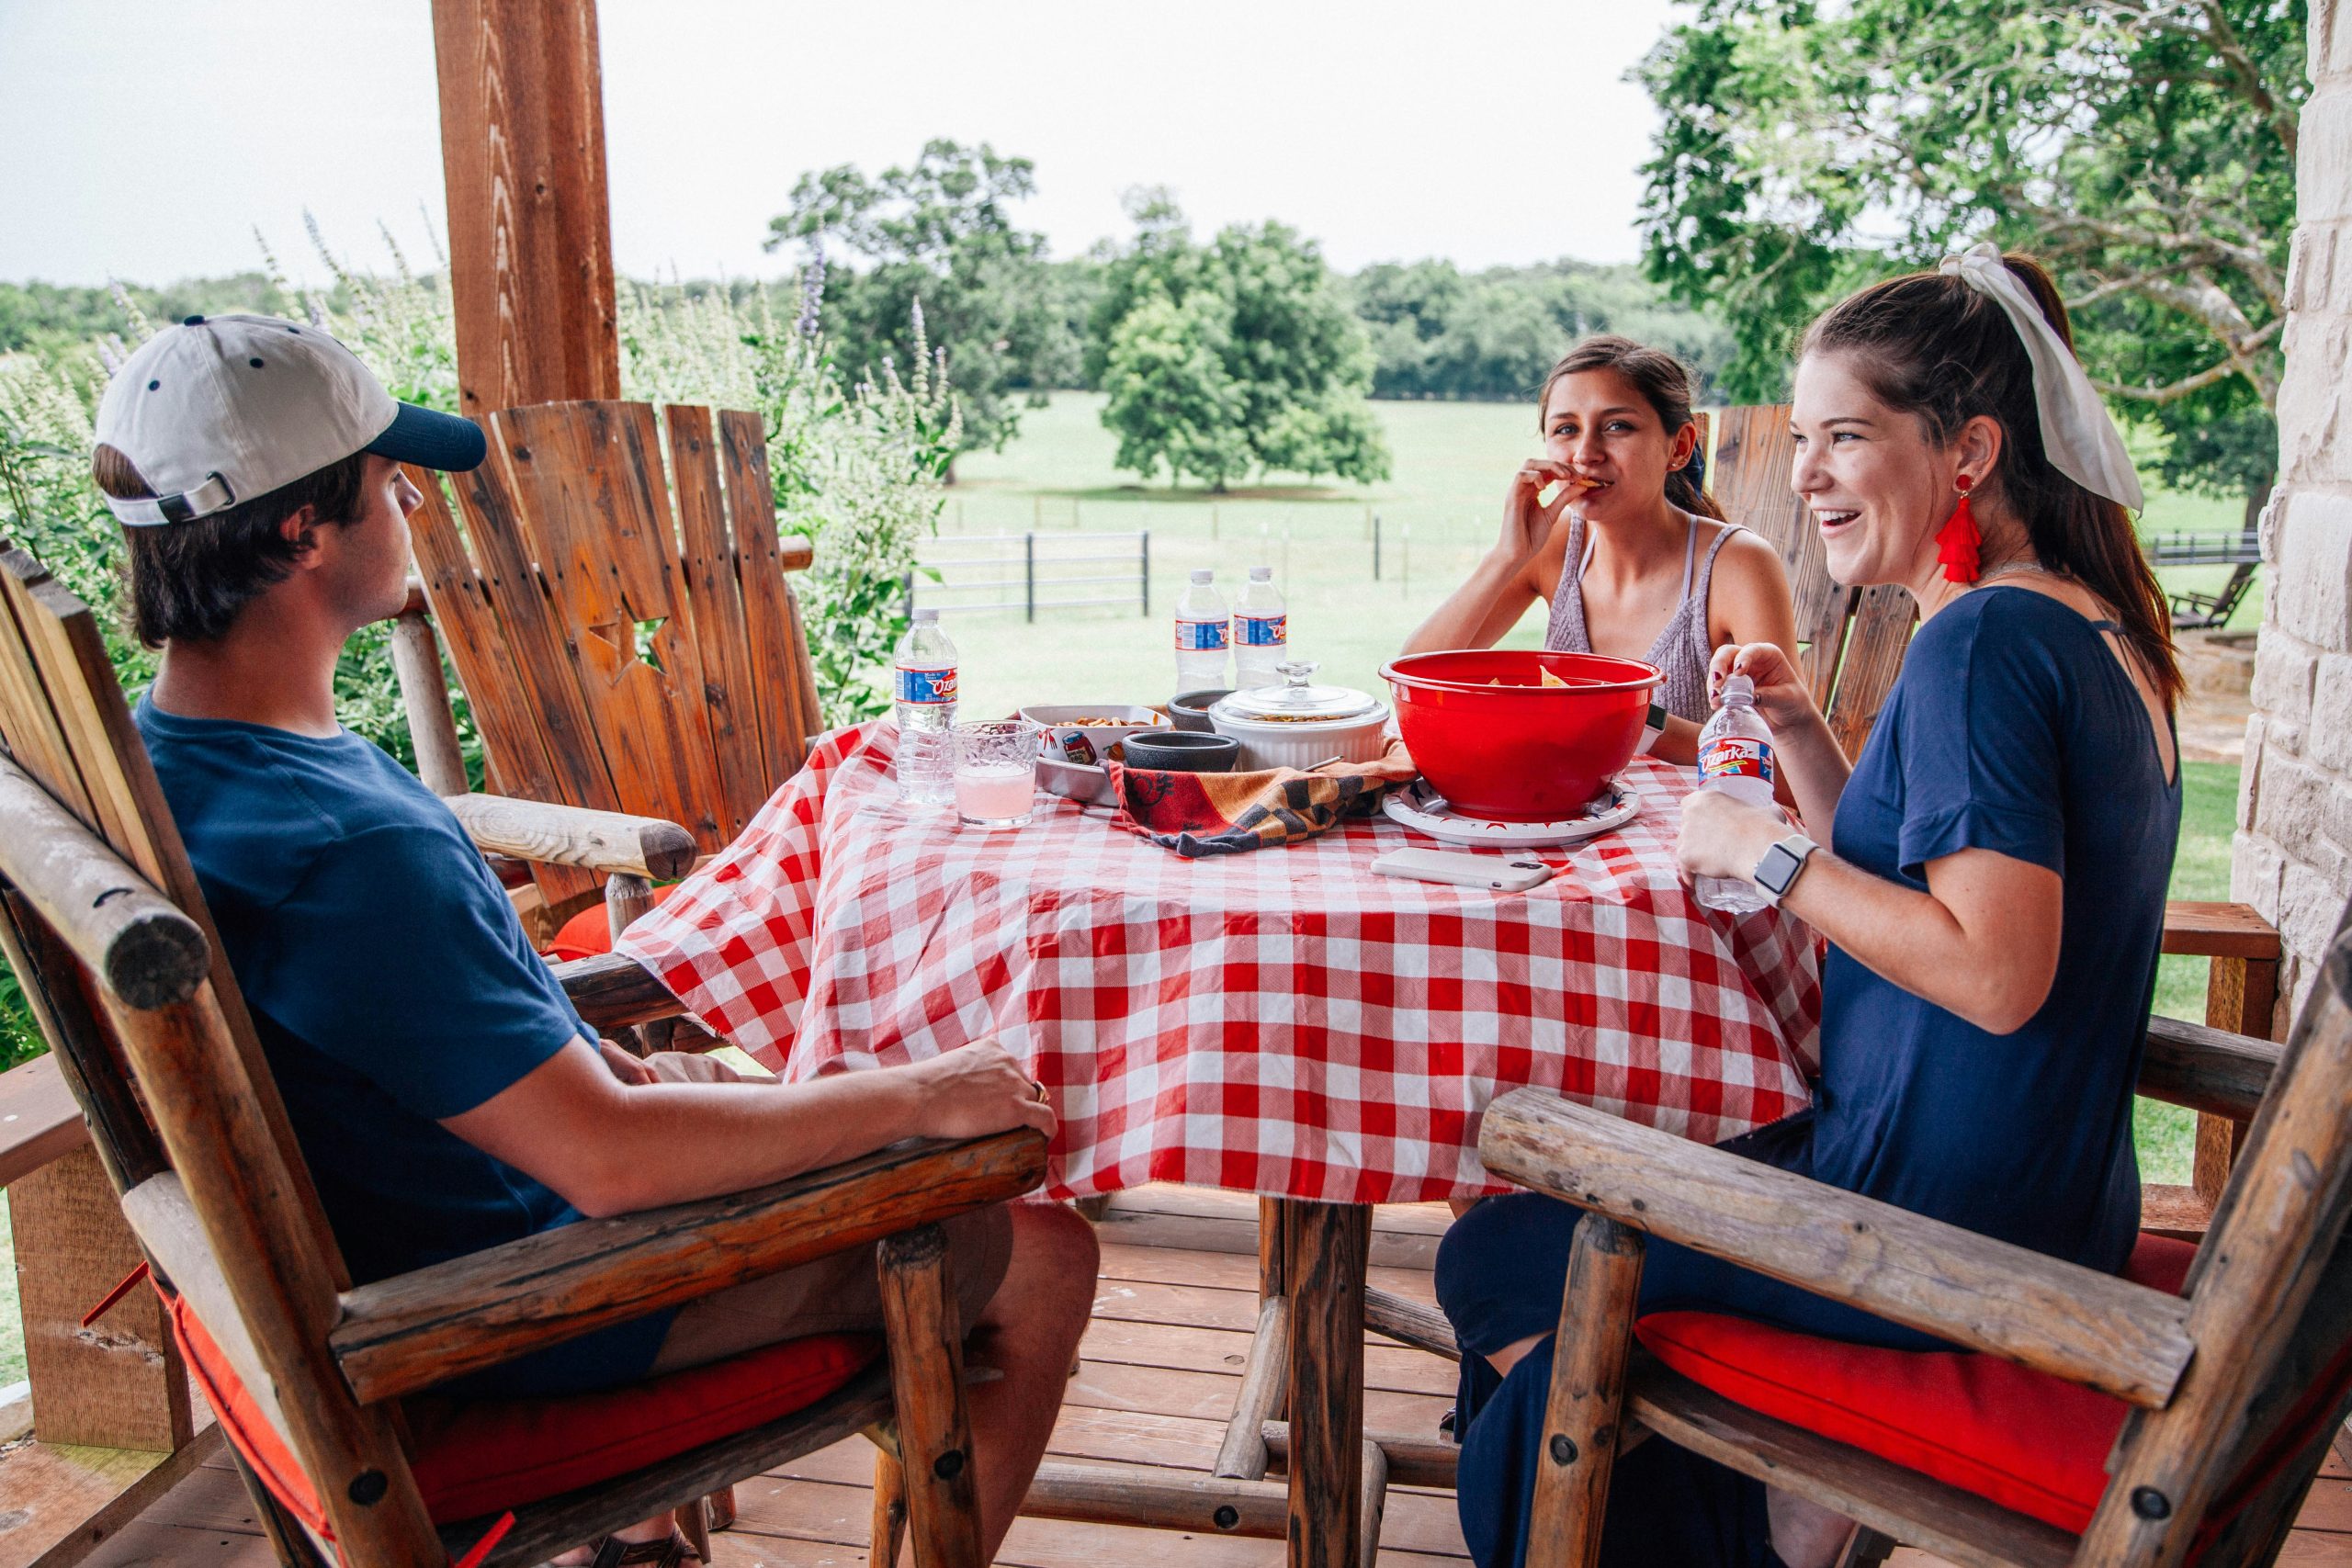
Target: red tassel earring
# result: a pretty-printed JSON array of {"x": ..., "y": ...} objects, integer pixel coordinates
[{"x": 1957, "y": 540}]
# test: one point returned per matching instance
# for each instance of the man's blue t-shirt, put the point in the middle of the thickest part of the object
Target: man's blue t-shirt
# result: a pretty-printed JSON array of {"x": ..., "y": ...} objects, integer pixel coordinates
[{"x": 393, "y": 986}]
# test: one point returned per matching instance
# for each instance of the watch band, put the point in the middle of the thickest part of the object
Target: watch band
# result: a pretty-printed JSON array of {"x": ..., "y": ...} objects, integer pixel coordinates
[
  {"x": 1653, "y": 726},
  {"x": 1782, "y": 864}
]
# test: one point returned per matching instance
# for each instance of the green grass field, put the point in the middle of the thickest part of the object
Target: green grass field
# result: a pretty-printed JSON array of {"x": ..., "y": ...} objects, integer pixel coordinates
[{"x": 1437, "y": 515}]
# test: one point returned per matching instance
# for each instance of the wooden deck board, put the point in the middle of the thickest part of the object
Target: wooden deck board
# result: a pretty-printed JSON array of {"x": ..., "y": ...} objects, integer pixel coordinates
[{"x": 1157, "y": 1377}]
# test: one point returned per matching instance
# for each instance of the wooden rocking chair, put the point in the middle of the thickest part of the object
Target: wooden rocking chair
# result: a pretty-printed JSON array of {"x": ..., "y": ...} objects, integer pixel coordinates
[
  {"x": 2225, "y": 1378},
  {"x": 622, "y": 627},
  {"x": 101, "y": 918}
]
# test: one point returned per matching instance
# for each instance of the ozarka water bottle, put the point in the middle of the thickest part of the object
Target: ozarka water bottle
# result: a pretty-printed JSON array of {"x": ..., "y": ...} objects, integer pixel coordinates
[
  {"x": 926, "y": 680},
  {"x": 1203, "y": 630},
  {"x": 1735, "y": 756},
  {"x": 1261, "y": 632}
]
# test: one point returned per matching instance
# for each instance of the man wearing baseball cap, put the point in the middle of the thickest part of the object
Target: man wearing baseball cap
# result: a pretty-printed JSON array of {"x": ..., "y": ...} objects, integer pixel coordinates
[{"x": 447, "y": 1096}]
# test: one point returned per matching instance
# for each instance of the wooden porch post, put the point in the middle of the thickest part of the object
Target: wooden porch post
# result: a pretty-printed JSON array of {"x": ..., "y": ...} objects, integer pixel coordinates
[{"x": 530, "y": 229}]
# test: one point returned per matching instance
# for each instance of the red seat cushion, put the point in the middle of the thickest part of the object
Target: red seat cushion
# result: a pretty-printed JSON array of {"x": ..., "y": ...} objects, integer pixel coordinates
[
  {"x": 2025, "y": 1440},
  {"x": 590, "y": 933},
  {"x": 482, "y": 1457}
]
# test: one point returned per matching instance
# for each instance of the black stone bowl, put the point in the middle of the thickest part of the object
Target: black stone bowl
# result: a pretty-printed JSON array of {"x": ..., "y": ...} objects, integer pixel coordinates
[
  {"x": 1183, "y": 751},
  {"x": 1189, "y": 710}
]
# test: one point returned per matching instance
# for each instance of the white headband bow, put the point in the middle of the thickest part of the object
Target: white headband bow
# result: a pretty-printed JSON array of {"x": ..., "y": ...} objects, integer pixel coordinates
[{"x": 2076, "y": 432}]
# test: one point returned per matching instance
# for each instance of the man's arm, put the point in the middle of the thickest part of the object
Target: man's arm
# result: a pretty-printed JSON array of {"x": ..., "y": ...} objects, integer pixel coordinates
[{"x": 608, "y": 1147}]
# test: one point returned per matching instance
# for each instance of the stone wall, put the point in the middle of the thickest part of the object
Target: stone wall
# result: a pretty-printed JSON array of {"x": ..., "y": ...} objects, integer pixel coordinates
[{"x": 2294, "y": 853}]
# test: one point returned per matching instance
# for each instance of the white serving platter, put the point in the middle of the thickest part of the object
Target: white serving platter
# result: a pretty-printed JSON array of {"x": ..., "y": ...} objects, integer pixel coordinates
[{"x": 1422, "y": 810}]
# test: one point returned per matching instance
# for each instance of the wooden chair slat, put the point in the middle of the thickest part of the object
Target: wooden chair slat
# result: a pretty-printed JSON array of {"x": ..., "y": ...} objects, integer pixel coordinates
[
  {"x": 708, "y": 559},
  {"x": 49, "y": 647},
  {"x": 1879, "y": 635},
  {"x": 588, "y": 477},
  {"x": 515, "y": 752},
  {"x": 1753, "y": 453},
  {"x": 29, "y": 727},
  {"x": 787, "y": 700},
  {"x": 545, "y": 688}
]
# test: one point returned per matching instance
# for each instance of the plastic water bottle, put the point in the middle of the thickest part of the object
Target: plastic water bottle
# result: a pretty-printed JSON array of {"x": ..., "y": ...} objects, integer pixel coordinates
[
  {"x": 1735, "y": 756},
  {"x": 1203, "y": 629},
  {"x": 1261, "y": 632},
  {"x": 925, "y": 678}
]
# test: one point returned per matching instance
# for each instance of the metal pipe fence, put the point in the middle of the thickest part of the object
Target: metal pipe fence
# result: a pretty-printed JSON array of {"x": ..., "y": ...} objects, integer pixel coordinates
[
  {"x": 2183, "y": 548},
  {"x": 1026, "y": 572}
]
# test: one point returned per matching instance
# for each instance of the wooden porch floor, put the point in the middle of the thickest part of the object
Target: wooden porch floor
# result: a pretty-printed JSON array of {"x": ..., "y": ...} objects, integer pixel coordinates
[{"x": 1162, "y": 1365}]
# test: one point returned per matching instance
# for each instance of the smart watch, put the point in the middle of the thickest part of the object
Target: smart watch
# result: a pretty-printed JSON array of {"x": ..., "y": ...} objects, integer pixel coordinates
[
  {"x": 1779, "y": 869},
  {"x": 1653, "y": 725}
]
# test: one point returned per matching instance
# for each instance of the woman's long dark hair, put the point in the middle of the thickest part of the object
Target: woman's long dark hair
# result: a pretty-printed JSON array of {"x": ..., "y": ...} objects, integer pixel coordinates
[
  {"x": 1935, "y": 346},
  {"x": 1665, "y": 384}
]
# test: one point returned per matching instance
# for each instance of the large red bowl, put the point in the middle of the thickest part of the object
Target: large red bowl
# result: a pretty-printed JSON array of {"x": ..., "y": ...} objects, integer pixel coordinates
[{"x": 1520, "y": 750}]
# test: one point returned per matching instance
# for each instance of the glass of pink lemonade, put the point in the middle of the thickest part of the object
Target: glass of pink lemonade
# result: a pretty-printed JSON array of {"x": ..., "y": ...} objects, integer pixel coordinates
[{"x": 995, "y": 772}]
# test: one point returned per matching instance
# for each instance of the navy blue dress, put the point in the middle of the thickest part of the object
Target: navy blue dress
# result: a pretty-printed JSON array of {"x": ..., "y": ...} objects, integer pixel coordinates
[{"x": 2013, "y": 729}]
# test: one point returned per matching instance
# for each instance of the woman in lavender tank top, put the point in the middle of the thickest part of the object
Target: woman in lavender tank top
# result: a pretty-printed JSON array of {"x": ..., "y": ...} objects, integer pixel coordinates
[{"x": 1631, "y": 553}]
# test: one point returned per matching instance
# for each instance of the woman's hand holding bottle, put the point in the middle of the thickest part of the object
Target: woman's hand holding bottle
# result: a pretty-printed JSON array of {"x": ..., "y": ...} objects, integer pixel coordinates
[{"x": 1782, "y": 694}]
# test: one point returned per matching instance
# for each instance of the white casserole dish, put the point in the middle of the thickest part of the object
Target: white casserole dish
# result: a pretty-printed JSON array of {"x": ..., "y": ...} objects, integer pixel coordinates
[{"x": 1299, "y": 726}]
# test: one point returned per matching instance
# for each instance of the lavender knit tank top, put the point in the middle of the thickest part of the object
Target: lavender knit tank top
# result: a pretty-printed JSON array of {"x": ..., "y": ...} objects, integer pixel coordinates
[{"x": 1681, "y": 651}]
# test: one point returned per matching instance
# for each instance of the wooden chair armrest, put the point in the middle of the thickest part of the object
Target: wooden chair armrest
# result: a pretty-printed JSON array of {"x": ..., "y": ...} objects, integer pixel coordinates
[
  {"x": 610, "y": 991},
  {"x": 39, "y": 1118},
  {"x": 404, "y": 1334},
  {"x": 2218, "y": 931},
  {"x": 1980, "y": 1293},
  {"x": 2206, "y": 1069},
  {"x": 606, "y": 842}
]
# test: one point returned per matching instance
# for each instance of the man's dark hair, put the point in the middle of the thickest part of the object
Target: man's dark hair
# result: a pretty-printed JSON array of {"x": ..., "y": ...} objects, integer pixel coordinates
[{"x": 189, "y": 580}]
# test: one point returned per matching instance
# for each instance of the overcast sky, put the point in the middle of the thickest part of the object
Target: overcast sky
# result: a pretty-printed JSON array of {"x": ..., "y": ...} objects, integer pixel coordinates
[{"x": 149, "y": 139}]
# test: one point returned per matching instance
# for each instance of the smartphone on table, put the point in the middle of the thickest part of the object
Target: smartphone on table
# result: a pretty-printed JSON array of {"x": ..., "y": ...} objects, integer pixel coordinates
[{"x": 1505, "y": 874}]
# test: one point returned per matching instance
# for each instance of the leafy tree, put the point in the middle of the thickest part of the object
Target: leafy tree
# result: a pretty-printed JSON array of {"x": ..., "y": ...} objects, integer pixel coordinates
[
  {"x": 1169, "y": 397},
  {"x": 1293, "y": 364},
  {"x": 2144, "y": 149},
  {"x": 940, "y": 232}
]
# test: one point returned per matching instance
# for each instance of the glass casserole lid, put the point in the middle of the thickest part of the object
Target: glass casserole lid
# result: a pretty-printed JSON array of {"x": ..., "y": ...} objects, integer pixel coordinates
[{"x": 1298, "y": 701}]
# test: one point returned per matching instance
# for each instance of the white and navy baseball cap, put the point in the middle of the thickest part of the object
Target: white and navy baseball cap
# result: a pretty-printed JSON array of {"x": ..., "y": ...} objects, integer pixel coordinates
[{"x": 223, "y": 409}]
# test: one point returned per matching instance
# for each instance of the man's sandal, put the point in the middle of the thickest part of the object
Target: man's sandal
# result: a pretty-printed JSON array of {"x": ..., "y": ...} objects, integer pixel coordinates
[{"x": 611, "y": 1552}]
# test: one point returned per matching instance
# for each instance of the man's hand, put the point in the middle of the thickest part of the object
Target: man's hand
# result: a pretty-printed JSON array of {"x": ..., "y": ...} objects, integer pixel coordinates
[
  {"x": 612, "y": 1134},
  {"x": 973, "y": 1090}
]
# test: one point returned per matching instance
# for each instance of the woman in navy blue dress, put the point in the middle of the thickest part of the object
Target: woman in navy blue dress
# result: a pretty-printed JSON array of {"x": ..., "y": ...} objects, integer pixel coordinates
[{"x": 1992, "y": 891}]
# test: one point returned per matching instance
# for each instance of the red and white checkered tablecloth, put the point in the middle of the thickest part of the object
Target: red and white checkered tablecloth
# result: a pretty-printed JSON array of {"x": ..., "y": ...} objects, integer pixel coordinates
[{"x": 1285, "y": 1022}]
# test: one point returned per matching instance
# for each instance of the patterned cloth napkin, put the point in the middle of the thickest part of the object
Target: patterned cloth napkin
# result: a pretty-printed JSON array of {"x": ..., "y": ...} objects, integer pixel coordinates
[{"x": 1229, "y": 814}]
